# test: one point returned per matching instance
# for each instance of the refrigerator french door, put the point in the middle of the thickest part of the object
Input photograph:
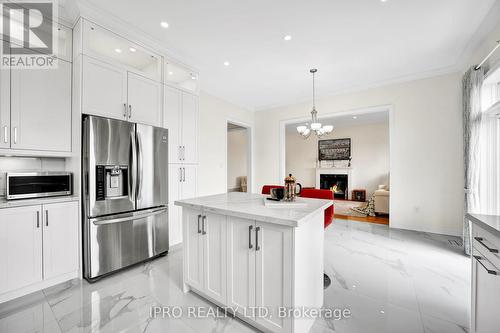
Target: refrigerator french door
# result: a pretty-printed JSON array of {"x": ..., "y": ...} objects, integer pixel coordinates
[{"x": 125, "y": 194}]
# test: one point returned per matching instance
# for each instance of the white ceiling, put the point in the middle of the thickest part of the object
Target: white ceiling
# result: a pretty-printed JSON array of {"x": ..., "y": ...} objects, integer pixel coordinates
[
  {"x": 353, "y": 43},
  {"x": 348, "y": 120}
]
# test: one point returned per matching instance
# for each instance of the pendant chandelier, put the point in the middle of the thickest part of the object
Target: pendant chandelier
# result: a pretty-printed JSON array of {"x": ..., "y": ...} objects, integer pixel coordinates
[{"x": 315, "y": 127}]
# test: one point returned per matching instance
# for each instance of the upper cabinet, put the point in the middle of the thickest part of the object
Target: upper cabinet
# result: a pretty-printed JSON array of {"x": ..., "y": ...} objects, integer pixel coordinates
[
  {"x": 35, "y": 105},
  {"x": 103, "y": 44},
  {"x": 181, "y": 117},
  {"x": 111, "y": 91},
  {"x": 181, "y": 77},
  {"x": 120, "y": 79}
]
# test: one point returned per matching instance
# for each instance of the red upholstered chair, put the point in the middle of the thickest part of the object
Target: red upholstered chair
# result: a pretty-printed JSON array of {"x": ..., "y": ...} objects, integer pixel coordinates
[
  {"x": 321, "y": 194},
  {"x": 266, "y": 189}
]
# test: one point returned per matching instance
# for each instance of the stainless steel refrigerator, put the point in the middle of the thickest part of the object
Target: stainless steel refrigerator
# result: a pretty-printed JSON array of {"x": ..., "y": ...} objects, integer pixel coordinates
[{"x": 125, "y": 194}]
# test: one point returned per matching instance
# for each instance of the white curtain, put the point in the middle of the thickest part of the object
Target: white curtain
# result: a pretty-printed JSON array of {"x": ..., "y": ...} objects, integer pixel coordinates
[{"x": 472, "y": 118}]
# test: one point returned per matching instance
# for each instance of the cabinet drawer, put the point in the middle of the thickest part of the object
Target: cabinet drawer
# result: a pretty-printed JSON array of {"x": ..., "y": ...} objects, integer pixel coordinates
[{"x": 487, "y": 244}]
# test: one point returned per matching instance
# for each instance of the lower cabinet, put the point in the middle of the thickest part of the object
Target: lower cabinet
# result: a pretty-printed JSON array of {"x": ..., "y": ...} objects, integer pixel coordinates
[
  {"x": 485, "y": 282},
  {"x": 240, "y": 263},
  {"x": 37, "y": 244}
]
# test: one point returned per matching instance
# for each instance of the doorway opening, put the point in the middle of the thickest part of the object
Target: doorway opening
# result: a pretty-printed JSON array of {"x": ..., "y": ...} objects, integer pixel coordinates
[
  {"x": 353, "y": 161},
  {"x": 238, "y": 158}
]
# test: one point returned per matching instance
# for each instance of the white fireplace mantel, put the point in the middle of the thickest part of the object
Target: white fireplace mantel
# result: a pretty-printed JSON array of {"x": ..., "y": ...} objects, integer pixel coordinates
[{"x": 336, "y": 171}]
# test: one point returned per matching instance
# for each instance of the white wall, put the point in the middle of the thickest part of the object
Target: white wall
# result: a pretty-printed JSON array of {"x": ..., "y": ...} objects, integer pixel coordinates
[
  {"x": 236, "y": 157},
  {"x": 426, "y": 153},
  {"x": 214, "y": 114},
  {"x": 369, "y": 151}
]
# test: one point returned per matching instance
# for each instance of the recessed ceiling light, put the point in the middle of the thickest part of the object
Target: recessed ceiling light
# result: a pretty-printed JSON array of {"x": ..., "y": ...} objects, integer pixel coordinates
[
  {"x": 132, "y": 49},
  {"x": 287, "y": 37},
  {"x": 164, "y": 24},
  {"x": 193, "y": 77},
  {"x": 383, "y": 0},
  {"x": 354, "y": 117},
  {"x": 118, "y": 50},
  {"x": 226, "y": 63},
  {"x": 170, "y": 73}
]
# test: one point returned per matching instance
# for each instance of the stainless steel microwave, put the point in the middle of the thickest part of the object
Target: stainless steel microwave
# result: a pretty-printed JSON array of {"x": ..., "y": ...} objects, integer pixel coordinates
[{"x": 22, "y": 185}]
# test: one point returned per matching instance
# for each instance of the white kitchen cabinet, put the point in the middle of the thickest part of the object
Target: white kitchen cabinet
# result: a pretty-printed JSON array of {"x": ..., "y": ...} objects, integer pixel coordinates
[
  {"x": 213, "y": 233},
  {"x": 104, "y": 90},
  {"x": 113, "y": 92},
  {"x": 273, "y": 271},
  {"x": 205, "y": 252},
  {"x": 39, "y": 247},
  {"x": 189, "y": 128},
  {"x": 182, "y": 184},
  {"x": 181, "y": 117},
  {"x": 20, "y": 247},
  {"x": 41, "y": 108},
  {"x": 240, "y": 264},
  {"x": 144, "y": 100},
  {"x": 4, "y": 106},
  {"x": 172, "y": 121},
  {"x": 193, "y": 248},
  {"x": 60, "y": 238}
]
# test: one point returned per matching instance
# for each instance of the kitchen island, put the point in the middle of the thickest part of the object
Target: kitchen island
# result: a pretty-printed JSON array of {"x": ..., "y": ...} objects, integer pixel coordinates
[{"x": 255, "y": 261}]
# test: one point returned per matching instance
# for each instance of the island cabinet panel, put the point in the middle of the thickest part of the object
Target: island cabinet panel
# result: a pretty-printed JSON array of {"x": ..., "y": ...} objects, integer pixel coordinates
[
  {"x": 273, "y": 274},
  {"x": 193, "y": 250},
  {"x": 241, "y": 264}
]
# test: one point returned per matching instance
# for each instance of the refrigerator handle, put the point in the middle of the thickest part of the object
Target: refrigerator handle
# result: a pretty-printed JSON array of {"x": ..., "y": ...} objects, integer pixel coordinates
[
  {"x": 132, "y": 175},
  {"x": 139, "y": 167}
]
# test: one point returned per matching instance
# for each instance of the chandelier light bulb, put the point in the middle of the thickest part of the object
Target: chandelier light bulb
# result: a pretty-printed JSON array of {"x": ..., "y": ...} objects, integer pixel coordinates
[
  {"x": 315, "y": 126},
  {"x": 301, "y": 129},
  {"x": 328, "y": 128}
]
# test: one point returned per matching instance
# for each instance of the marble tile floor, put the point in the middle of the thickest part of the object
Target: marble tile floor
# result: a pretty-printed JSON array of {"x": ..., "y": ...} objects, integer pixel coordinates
[{"x": 392, "y": 281}]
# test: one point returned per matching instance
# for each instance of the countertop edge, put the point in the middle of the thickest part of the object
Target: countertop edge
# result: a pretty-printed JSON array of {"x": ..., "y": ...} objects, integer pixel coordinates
[
  {"x": 5, "y": 204},
  {"x": 261, "y": 218},
  {"x": 477, "y": 220}
]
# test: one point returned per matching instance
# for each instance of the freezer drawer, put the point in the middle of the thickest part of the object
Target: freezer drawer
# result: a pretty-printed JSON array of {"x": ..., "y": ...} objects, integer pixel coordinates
[{"x": 121, "y": 240}]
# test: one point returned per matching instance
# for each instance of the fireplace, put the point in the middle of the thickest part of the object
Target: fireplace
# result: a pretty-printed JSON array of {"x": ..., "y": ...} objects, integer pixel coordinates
[{"x": 337, "y": 183}]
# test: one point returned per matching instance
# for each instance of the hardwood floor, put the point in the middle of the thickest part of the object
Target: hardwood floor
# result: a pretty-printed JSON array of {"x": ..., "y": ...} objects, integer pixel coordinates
[{"x": 382, "y": 219}]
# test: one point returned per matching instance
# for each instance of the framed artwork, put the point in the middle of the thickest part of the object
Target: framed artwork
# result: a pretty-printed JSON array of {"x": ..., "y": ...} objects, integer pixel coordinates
[{"x": 334, "y": 149}]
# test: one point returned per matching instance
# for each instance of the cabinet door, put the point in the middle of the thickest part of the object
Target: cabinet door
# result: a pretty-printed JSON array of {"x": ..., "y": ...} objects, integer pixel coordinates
[
  {"x": 172, "y": 121},
  {"x": 485, "y": 296},
  {"x": 189, "y": 128},
  {"x": 189, "y": 184},
  {"x": 60, "y": 238},
  {"x": 20, "y": 247},
  {"x": 4, "y": 106},
  {"x": 144, "y": 100},
  {"x": 273, "y": 273},
  {"x": 192, "y": 247},
  {"x": 174, "y": 212},
  {"x": 240, "y": 263},
  {"x": 41, "y": 108},
  {"x": 214, "y": 251},
  {"x": 104, "y": 91}
]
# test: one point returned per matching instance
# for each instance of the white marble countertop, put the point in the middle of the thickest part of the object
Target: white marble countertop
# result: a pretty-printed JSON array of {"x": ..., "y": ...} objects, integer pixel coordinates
[
  {"x": 489, "y": 222},
  {"x": 251, "y": 206},
  {"x": 4, "y": 203}
]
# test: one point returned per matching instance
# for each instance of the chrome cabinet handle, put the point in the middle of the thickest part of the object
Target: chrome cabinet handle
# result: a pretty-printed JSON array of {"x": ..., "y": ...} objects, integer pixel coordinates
[
  {"x": 480, "y": 241},
  {"x": 199, "y": 230},
  {"x": 15, "y": 134},
  {"x": 38, "y": 219},
  {"x": 125, "y": 110},
  {"x": 203, "y": 220},
  {"x": 179, "y": 153},
  {"x": 257, "y": 247},
  {"x": 5, "y": 134},
  {"x": 183, "y": 153},
  {"x": 478, "y": 259},
  {"x": 180, "y": 175},
  {"x": 250, "y": 245},
  {"x": 46, "y": 218},
  {"x": 184, "y": 175},
  {"x": 129, "y": 111}
]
